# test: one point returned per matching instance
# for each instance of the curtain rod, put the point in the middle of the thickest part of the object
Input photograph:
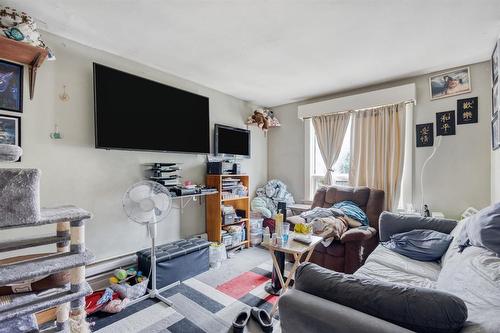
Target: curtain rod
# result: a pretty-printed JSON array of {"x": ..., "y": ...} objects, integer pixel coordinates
[{"x": 412, "y": 101}]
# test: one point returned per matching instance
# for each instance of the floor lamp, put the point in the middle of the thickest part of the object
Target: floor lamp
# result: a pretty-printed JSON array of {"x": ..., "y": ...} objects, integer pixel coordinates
[{"x": 438, "y": 143}]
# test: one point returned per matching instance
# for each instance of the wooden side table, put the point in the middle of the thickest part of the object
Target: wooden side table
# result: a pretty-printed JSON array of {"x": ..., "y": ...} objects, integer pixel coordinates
[{"x": 296, "y": 249}]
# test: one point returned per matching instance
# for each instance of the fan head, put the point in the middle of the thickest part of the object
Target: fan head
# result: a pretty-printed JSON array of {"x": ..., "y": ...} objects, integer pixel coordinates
[{"x": 147, "y": 202}]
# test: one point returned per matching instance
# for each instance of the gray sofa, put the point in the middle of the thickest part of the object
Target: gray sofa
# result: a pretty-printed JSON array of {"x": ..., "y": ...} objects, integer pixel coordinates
[{"x": 473, "y": 275}]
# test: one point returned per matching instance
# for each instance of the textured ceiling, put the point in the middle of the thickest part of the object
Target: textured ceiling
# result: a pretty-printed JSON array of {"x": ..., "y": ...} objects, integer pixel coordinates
[{"x": 275, "y": 52}]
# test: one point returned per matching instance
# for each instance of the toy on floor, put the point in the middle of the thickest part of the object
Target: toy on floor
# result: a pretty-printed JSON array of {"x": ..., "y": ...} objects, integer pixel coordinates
[{"x": 130, "y": 275}]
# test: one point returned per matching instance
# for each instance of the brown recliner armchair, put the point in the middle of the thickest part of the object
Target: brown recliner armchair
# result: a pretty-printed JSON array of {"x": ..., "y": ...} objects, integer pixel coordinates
[{"x": 349, "y": 253}]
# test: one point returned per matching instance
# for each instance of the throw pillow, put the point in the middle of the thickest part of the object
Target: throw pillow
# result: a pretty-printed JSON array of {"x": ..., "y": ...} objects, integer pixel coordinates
[
  {"x": 420, "y": 244},
  {"x": 417, "y": 309},
  {"x": 353, "y": 211},
  {"x": 482, "y": 229}
]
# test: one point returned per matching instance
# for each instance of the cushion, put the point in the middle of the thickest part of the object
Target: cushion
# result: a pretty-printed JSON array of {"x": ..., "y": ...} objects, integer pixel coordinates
[
  {"x": 386, "y": 265},
  {"x": 352, "y": 210},
  {"x": 417, "y": 309},
  {"x": 10, "y": 153},
  {"x": 391, "y": 224},
  {"x": 482, "y": 229},
  {"x": 19, "y": 196},
  {"x": 420, "y": 244}
]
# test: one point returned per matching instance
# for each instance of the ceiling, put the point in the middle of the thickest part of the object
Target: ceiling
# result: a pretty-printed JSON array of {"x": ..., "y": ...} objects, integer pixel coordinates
[{"x": 273, "y": 52}]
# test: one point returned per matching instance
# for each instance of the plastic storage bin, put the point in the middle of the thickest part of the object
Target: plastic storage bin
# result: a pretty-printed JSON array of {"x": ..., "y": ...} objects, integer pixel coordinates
[
  {"x": 227, "y": 239},
  {"x": 236, "y": 237},
  {"x": 256, "y": 225},
  {"x": 255, "y": 238}
]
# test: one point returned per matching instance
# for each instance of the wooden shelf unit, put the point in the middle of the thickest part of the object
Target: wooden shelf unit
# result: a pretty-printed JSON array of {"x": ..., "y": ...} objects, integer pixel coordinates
[
  {"x": 25, "y": 54},
  {"x": 213, "y": 205}
]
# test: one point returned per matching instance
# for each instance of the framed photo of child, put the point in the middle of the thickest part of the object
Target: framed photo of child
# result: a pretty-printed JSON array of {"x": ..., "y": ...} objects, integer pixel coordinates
[{"x": 450, "y": 83}]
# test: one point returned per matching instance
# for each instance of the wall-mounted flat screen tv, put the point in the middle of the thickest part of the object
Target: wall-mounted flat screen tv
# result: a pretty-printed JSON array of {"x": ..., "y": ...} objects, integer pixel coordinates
[
  {"x": 231, "y": 141},
  {"x": 135, "y": 113}
]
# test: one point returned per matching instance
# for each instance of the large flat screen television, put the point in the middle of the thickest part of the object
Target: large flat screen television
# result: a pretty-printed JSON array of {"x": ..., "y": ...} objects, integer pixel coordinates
[
  {"x": 231, "y": 141},
  {"x": 134, "y": 113}
]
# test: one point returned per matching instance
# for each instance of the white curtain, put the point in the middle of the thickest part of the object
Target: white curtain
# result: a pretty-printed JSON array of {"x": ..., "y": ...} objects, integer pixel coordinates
[
  {"x": 330, "y": 131},
  {"x": 377, "y": 150}
]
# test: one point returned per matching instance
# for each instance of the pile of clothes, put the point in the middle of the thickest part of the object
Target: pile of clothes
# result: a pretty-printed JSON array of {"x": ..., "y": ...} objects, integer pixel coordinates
[
  {"x": 268, "y": 197},
  {"x": 331, "y": 223}
]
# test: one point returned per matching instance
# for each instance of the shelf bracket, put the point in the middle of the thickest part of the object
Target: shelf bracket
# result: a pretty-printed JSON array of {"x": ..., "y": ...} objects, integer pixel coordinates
[{"x": 33, "y": 67}]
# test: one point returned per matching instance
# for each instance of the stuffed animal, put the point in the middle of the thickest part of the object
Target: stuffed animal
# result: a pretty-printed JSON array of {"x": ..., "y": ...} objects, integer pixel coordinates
[{"x": 260, "y": 119}]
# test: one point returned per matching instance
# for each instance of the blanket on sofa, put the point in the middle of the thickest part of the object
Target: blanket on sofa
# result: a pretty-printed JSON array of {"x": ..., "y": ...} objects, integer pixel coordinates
[{"x": 330, "y": 228}]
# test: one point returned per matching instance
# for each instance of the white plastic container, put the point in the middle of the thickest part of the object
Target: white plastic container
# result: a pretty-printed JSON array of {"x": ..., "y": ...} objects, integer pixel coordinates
[
  {"x": 236, "y": 237},
  {"x": 255, "y": 238},
  {"x": 256, "y": 225}
]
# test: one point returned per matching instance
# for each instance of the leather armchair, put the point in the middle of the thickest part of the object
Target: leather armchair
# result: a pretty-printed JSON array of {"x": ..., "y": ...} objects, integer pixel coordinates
[{"x": 350, "y": 252}]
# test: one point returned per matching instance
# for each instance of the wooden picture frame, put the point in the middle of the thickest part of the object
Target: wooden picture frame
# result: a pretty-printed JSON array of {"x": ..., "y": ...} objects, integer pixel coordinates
[{"x": 450, "y": 83}]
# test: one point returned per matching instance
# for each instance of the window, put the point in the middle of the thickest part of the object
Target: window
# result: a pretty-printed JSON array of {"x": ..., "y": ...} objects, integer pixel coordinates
[{"x": 317, "y": 168}]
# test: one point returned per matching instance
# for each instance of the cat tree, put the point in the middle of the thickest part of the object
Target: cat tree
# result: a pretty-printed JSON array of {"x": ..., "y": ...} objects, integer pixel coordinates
[{"x": 20, "y": 208}]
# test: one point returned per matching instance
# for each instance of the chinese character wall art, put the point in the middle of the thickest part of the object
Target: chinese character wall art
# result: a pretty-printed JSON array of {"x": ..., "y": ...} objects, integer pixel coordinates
[
  {"x": 445, "y": 123},
  {"x": 467, "y": 111},
  {"x": 451, "y": 83},
  {"x": 425, "y": 135},
  {"x": 11, "y": 86}
]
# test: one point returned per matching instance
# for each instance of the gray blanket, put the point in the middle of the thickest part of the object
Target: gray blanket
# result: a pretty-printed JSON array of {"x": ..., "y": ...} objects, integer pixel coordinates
[{"x": 320, "y": 212}]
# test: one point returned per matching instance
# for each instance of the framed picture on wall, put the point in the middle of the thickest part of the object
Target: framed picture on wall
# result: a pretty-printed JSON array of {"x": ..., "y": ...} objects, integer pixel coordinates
[
  {"x": 10, "y": 130},
  {"x": 445, "y": 123},
  {"x": 495, "y": 133},
  {"x": 11, "y": 86},
  {"x": 467, "y": 111},
  {"x": 425, "y": 135},
  {"x": 494, "y": 63},
  {"x": 495, "y": 99},
  {"x": 450, "y": 83}
]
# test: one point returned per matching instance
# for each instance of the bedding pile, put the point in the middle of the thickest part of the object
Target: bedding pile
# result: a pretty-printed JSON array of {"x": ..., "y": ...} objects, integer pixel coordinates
[
  {"x": 331, "y": 223},
  {"x": 268, "y": 197}
]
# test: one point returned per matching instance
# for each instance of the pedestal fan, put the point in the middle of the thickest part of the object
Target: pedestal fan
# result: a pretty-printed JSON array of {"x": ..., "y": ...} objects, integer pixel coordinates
[{"x": 149, "y": 203}]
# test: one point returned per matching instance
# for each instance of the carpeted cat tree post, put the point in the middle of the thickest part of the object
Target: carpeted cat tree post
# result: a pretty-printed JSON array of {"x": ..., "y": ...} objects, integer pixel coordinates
[{"x": 20, "y": 208}]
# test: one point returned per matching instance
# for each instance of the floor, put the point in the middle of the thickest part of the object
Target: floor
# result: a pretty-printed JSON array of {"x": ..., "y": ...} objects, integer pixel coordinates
[{"x": 206, "y": 303}]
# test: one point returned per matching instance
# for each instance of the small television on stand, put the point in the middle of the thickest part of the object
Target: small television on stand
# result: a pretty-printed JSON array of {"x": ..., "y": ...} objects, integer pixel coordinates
[{"x": 231, "y": 142}]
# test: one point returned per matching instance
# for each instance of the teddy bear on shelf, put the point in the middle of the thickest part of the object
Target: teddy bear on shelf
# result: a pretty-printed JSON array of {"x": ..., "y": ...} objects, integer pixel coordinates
[{"x": 260, "y": 119}]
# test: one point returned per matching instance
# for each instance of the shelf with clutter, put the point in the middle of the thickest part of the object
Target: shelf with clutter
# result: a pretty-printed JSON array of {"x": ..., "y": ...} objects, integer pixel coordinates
[{"x": 20, "y": 42}]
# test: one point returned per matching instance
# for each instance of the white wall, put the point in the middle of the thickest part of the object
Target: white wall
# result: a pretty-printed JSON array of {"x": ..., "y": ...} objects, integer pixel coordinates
[
  {"x": 457, "y": 177},
  {"x": 74, "y": 172}
]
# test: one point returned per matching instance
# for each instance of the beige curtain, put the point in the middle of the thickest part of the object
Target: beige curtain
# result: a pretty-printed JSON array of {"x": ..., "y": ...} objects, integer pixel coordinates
[
  {"x": 330, "y": 131},
  {"x": 377, "y": 150}
]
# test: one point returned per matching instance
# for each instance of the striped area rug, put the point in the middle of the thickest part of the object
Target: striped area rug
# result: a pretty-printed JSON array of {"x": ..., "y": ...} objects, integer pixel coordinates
[{"x": 198, "y": 307}]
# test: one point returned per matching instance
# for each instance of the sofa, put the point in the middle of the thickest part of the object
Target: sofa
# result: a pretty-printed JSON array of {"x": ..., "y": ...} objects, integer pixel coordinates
[
  {"x": 473, "y": 275},
  {"x": 349, "y": 253}
]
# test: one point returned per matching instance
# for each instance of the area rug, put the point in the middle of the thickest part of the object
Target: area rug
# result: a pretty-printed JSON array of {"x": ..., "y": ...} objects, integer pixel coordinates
[{"x": 198, "y": 306}]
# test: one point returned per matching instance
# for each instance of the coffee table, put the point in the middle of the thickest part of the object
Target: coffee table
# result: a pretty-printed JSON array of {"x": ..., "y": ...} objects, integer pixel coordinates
[{"x": 296, "y": 249}]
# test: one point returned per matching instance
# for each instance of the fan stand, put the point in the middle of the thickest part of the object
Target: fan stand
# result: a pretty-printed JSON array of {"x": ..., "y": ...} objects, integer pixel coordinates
[{"x": 153, "y": 292}]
